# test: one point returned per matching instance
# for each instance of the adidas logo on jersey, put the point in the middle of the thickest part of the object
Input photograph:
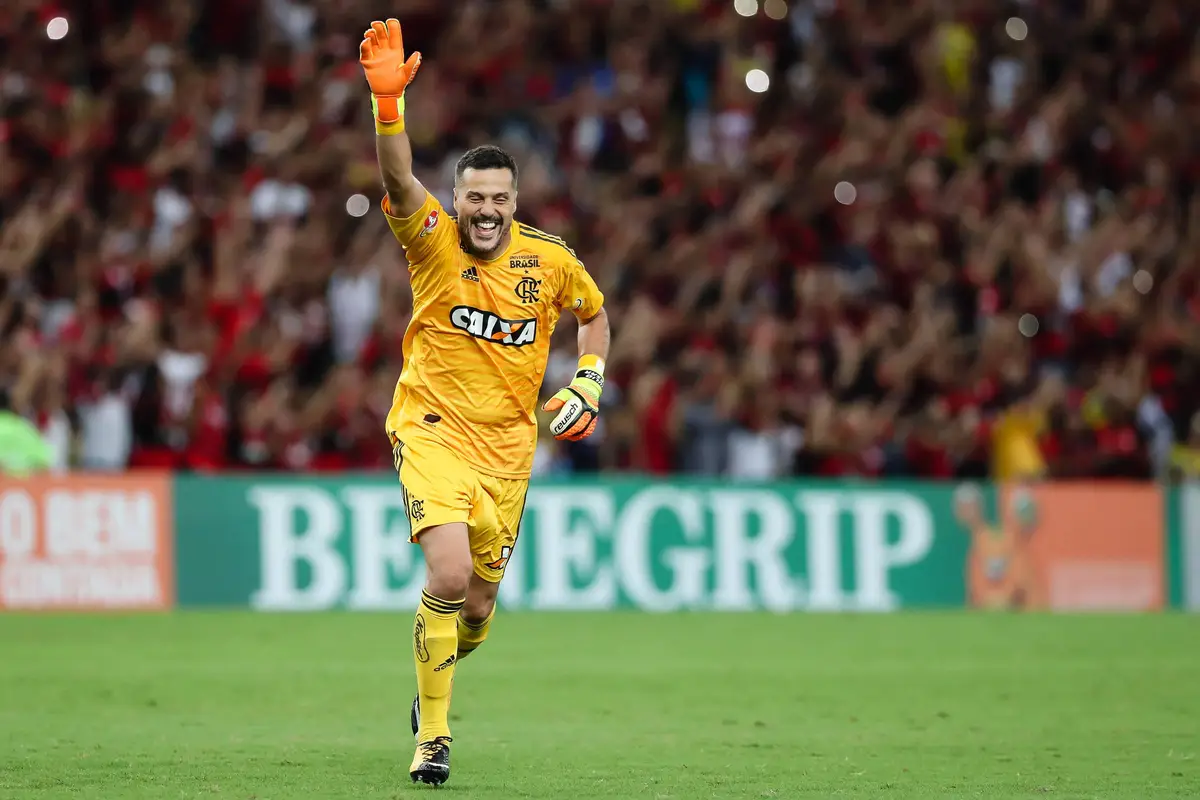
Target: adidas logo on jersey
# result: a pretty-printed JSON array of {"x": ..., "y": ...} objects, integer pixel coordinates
[{"x": 470, "y": 274}]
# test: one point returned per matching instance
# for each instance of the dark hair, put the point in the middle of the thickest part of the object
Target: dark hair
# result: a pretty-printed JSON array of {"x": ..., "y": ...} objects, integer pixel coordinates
[{"x": 486, "y": 156}]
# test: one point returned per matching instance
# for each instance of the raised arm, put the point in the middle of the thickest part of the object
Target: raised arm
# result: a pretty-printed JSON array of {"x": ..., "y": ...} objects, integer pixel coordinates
[{"x": 388, "y": 74}]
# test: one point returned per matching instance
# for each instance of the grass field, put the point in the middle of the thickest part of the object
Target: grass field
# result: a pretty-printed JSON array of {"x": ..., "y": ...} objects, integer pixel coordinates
[{"x": 234, "y": 705}]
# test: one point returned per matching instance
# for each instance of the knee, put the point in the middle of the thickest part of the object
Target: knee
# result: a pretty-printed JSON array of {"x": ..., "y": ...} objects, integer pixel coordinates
[
  {"x": 448, "y": 565},
  {"x": 478, "y": 608},
  {"x": 448, "y": 579}
]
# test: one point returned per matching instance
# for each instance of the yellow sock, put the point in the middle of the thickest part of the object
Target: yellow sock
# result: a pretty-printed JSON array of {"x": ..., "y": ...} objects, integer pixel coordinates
[
  {"x": 435, "y": 642},
  {"x": 472, "y": 634}
]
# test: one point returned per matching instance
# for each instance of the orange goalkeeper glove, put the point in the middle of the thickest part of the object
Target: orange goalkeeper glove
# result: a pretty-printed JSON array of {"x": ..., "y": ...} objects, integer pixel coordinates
[
  {"x": 578, "y": 405},
  {"x": 388, "y": 74}
]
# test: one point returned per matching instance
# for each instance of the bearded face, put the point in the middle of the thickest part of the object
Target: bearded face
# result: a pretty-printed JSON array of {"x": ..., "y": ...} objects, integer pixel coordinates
[{"x": 485, "y": 200}]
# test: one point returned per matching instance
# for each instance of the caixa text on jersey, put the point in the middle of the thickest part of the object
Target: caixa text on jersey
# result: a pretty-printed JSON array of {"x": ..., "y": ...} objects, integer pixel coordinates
[{"x": 486, "y": 325}]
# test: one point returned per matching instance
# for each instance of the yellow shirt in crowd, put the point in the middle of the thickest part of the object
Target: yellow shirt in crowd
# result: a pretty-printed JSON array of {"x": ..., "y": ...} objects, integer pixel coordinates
[{"x": 1016, "y": 454}]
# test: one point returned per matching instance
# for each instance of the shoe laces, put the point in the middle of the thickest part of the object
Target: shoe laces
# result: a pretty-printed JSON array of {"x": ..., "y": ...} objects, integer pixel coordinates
[{"x": 430, "y": 749}]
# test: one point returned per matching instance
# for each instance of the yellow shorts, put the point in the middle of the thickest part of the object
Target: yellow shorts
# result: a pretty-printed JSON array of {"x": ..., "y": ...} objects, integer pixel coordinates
[{"x": 439, "y": 487}]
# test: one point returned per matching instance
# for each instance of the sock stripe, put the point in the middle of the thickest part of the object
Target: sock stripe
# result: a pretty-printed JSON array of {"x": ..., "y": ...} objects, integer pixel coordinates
[
  {"x": 475, "y": 626},
  {"x": 440, "y": 606},
  {"x": 436, "y": 604}
]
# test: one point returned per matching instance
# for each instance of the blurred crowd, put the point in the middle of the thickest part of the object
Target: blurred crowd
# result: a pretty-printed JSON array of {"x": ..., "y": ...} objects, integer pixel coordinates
[{"x": 928, "y": 238}]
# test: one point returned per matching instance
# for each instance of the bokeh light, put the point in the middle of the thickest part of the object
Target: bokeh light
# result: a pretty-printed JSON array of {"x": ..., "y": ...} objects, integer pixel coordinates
[
  {"x": 758, "y": 81},
  {"x": 57, "y": 28},
  {"x": 747, "y": 8},
  {"x": 1143, "y": 281},
  {"x": 358, "y": 205},
  {"x": 1016, "y": 29}
]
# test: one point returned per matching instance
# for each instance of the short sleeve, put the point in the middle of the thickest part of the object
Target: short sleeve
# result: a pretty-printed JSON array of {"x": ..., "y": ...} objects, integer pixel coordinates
[
  {"x": 579, "y": 293},
  {"x": 425, "y": 231}
]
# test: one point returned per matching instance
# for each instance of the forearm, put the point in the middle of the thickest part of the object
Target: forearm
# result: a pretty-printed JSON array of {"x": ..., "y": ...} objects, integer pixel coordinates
[
  {"x": 594, "y": 336},
  {"x": 405, "y": 193}
]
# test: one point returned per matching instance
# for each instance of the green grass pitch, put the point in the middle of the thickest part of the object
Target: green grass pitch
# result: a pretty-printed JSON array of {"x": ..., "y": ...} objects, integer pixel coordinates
[{"x": 579, "y": 706}]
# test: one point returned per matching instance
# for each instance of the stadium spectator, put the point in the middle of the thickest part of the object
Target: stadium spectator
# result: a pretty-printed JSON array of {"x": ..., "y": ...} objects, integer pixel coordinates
[
  {"x": 945, "y": 239},
  {"x": 106, "y": 426}
]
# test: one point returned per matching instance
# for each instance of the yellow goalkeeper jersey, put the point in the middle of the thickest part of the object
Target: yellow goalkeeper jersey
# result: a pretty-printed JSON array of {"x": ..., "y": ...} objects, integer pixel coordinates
[{"x": 475, "y": 350}]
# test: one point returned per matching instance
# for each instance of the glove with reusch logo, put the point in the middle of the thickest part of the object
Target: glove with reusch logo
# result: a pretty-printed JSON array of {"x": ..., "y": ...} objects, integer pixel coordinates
[{"x": 578, "y": 405}]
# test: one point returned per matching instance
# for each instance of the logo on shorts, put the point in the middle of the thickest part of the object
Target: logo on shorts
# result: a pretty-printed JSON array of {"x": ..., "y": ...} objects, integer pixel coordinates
[
  {"x": 527, "y": 289},
  {"x": 502, "y": 561},
  {"x": 431, "y": 222},
  {"x": 489, "y": 327},
  {"x": 416, "y": 510},
  {"x": 419, "y": 648}
]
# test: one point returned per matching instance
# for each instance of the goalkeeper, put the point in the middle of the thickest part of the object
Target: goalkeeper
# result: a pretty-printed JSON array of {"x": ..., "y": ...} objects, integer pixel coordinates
[{"x": 487, "y": 293}]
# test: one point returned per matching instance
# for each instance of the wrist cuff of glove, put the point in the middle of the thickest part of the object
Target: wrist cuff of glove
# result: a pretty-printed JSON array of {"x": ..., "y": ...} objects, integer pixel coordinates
[
  {"x": 389, "y": 114},
  {"x": 591, "y": 368}
]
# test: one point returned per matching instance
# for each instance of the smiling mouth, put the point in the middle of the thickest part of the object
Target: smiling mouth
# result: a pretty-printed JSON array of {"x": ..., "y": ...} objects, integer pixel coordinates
[{"x": 485, "y": 229}]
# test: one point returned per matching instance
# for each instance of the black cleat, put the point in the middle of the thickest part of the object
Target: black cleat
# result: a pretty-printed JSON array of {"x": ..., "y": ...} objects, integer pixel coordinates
[
  {"x": 414, "y": 716},
  {"x": 431, "y": 764}
]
